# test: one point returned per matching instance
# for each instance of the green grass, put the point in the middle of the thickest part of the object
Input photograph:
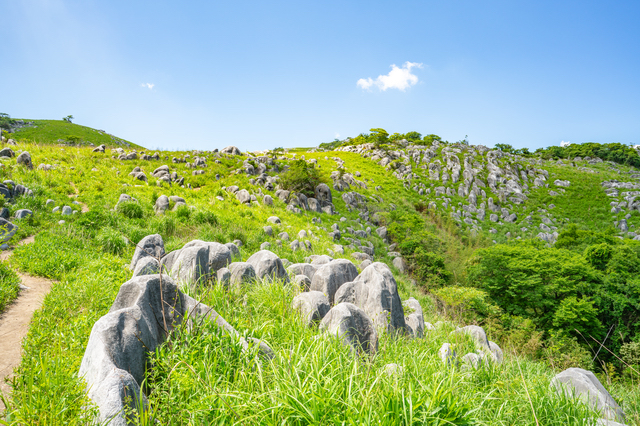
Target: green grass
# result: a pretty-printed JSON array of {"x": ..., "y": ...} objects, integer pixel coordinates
[
  {"x": 50, "y": 131},
  {"x": 201, "y": 377},
  {"x": 9, "y": 285}
]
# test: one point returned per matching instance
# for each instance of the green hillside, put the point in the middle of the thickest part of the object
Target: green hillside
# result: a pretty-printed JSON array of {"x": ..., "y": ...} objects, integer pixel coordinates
[
  {"x": 550, "y": 275},
  {"x": 64, "y": 132}
]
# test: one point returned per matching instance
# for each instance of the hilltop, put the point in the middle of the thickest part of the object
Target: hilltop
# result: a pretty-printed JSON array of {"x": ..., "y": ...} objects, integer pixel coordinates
[{"x": 536, "y": 248}]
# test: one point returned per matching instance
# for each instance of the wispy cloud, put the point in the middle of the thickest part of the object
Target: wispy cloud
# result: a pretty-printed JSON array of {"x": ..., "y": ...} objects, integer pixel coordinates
[
  {"x": 148, "y": 85},
  {"x": 398, "y": 78}
]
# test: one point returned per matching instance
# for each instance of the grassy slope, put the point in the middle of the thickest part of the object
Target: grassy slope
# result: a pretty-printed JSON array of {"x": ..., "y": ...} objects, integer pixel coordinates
[
  {"x": 50, "y": 131},
  {"x": 88, "y": 257}
]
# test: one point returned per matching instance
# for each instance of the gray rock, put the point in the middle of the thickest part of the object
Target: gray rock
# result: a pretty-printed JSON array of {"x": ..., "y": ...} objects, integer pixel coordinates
[
  {"x": 320, "y": 259},
  {"x": 268, "y": 230},
  {"x": 400, "y": 264},
  {"x": 376, "y": 292},
  {"x": 121, "y": 341},
  {"x": 219, "y": 255},
  {"x": 313, "y": 306},
  {"x": 382, "y": 233},
  {"x": 478, "y": 335},
  {"x": 472, "y": 360},
  {"x": 302, "y": 269},
  {"x": 243, "y": 196},
  {"x": 149, "y": 246},
  {"x": 295, "y": 245},
  {"x": 67, "y": 211},
  {"x": 7, "y": 230},
  {"x": 268, "y": 266},
  {"x": 496, "y": 352},
  {"x": 146, "y": 266},
  {"x": 329, "y": 277},
  {"x": 223, "y": 276},
  {"x": 414, "y": 317},
  {"x": 267, "y": 200},
  {"x": 584, "y": 385},
  {"x": 352, "y": 326},
  {"x": 25, "y": 159},
  {"x": 323, "y": 193},
  {"x": 190, "y": 266},
  {"x": 447, "y": 354},
  {"x": 241, "y": 273},
  {"x": 22, "y": 213},
  {"x": 302, "y": 281},
  {"x": 234, "y": 250},
  {"x": 231, "y": 150},
  {"x": 393, "y": 370},
  {"x": 274, "y": 219},
  {"x": 265, "y": 246},
  {"x": 7, "y": 152},
  {"x": 161, "y": 205}
]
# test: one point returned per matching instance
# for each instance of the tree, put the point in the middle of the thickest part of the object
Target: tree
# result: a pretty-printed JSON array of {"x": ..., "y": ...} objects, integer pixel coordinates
[
  {"x": 68, "y": 118},
  {"x": 301, "y": 177},
  {"x": 5, "y": 121},
  {"x": 379, "y": 136}
]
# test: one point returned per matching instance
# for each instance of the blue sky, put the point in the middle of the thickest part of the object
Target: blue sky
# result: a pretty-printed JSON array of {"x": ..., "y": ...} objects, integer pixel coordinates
[{"x": 259, "y": 74}]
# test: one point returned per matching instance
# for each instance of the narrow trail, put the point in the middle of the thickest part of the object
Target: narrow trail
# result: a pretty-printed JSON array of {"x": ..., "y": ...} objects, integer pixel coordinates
[
  {"x": 77, "y": 192},
  {"x": 15, "y": 321}
]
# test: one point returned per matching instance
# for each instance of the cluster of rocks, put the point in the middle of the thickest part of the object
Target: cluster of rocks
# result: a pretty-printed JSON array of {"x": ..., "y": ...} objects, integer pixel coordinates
[
  {"x": 627, "y": 199},
  {"x": 164, "y": 175},
  {"x": 486, "y": 350}
]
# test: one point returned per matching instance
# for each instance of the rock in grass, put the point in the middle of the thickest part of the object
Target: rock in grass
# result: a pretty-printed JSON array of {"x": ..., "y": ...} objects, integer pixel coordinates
[
  {"x": 400, "y": 264},
  {"x": 267, "y": 200},
  {"x": 265, "y": 246},
  {"x": 302, "y": 281},
  {"x": 313, "y": 306},
  {"x": 268, "y": 230},
  {"x": 241, "y": 273},
  {"x": 234, "y": 250},
  {"x": 472, "y": 360},
  {"x": 478, "y": 334},
  {"x": 219, "y": 255},
  {"x": 584, "y": 385},
  {"x": 161, "y": 205},
  {"x": 7, "y": 230},
  {"x": 22, "y": 213},
  {"x": 352, "y": 326},
  {"x": 302, "y": 269},
  {"x": 329, "y": 277},
  {"x": 7, "y": 152},
  {"x": 496, "y": 352},
  {"x": 323, "y": 193},
  {"x": 231, "y": 150},
  {"x": 147, "y": 266},
  {"x": 115, "y": 360},
  {"x": 376, "y": 292},
  {"x": 25, "y": 159},
  {"x": 274, "y": 219},
  {"x": 414, "y": 319},
  {"x": 190, "y": 266},
  {"x": 447, "y": 354},
  {"x": 268, "y": 265},
  {"x": 224, "y": 276},
  {"x": 67, "y": 211},
  {"x": 149, "y": 246},
  {"x": 243, "y": 196}
]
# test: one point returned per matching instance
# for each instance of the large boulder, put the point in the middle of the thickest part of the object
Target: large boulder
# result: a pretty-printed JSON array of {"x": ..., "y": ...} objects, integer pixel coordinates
[
  {"x": 329, "y": 277},
  {"x": 478, "y": 335},
  {"x": 114, "y": 364},
  {"x": 161, "y": 205},
  {"x": 302, "y": 269},
  {"x": 376, "y": 292},
  {"x": 190, "y": 266},
  {"x": 352, "y": 326},
  {"x": 268, "y": 265},
  {"x": 241, "y": 273},
  {"x": 584, "y": 385},
  {"x": 243, "y": 196},
  {"x": 313, "y": 306},
  {"x": 147, "y": 266},
  {"x": 232, "y": 150},
  {"x": 25, "y": 159},
  {"x": 323, "y": 193},
  {"x": 219, "y": 254},
  {"x": 151, "y": 245},
  {"x": 7, "y": 230}
]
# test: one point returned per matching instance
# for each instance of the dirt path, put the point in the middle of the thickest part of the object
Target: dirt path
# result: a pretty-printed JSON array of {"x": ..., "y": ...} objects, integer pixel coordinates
[
  {"x": 15, "y": 320},
  {"x": 75, "y": 189}
]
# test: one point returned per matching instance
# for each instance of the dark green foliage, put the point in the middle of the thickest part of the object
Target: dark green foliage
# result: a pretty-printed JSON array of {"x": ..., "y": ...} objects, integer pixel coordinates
[
  {"x": 183, "y": 213},
  {"x": 301, "y": 177},
  {"x": 616, "y": 152},
  {"x": 130, "y": 209},
  {"x": 111, "y": 241},
  {"x": 598, "y": 255},
  {"x": 5, "y": 121},
  {"x": 428, "y": 268}
]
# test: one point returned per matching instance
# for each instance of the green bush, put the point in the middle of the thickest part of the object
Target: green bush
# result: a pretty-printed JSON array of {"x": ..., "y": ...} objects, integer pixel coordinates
[
  {"x": 301, "y": 177},
  {"x": 130, "y": 209},
  {"x": 183, "y": 213},
  {"x": 111, "y": 241}
]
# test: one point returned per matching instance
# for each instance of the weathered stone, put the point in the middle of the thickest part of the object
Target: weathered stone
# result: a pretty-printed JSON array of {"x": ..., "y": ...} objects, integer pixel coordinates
[
  {"x": 302, "y": 269},
  {"x": 352, "y": 326},
  {"x": 329, "y": 277},
  {"x": 447, "y": 354},
  {"x": 22, "y": 213},
  {"x": 151, "y": 245},
  {"x": 223, "y": 276},
  {"x": 414, "y": 317},
  {"x": 400, "y": 264},
  {"x": 268, "y": 266},
  {"x": 376, "y": 292},
  {"x": 25, "y": 159},
  {"x": 241, "y": 273},
  {"x": 161, "y": 205},
  {"x": 7, "y": 230},
  {"x": 146, "y": 266},
  {"x": 274, "y": 219},
  {"x": 584, "y": 385},
  {"x": 313, "y": 306},
  {"x": 478, "y": 334},
  {"x": 243, "y": 196},
  {"x": 231, "y": 150},
  {"x": 302, "y": 281}
]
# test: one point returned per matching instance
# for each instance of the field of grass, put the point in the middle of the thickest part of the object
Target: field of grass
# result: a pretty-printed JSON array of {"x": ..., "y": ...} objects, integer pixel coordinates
[
  {"x": 201, "y": 377},
  {"x": 60, "y": 131}
]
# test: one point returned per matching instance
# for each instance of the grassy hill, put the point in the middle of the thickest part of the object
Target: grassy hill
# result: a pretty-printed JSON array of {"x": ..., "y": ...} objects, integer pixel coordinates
[
  {"x": 60, "y": 131},
  {"x": 201, "y": 377}
]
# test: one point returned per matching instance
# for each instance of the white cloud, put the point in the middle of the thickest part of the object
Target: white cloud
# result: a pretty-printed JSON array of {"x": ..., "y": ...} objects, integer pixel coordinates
[
  {"x": 148, "y": 85},
  {"x": 563, "y": 143},
  {"x": 398, "y": 78},
  {"x": 337, "y": 135}
]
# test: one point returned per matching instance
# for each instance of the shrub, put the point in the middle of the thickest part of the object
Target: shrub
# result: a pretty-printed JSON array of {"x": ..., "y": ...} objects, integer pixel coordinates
[
  {"x": 130, "y": 209},
  {"x": 301, "y": 177},
  {"x": 9, "y": 285},
  {"x": 183, "y": 213},
  {"x": 110, "y": 241}
]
